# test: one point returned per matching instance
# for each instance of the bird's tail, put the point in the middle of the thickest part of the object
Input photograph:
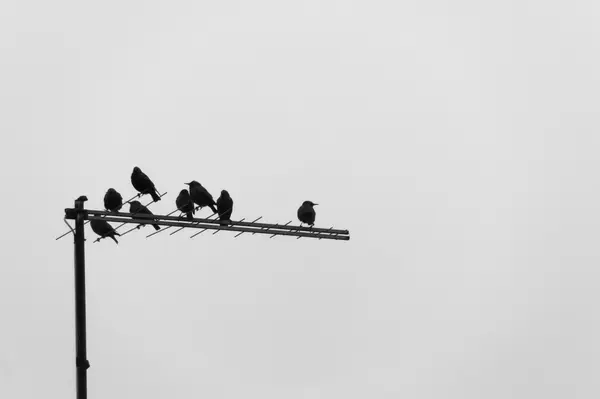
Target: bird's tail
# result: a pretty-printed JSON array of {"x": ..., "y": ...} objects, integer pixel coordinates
[
  {"x": 156, "y": 227},
  {"x": 155, "y": 196},
  {"x": 212, "y": 207},
  {"x": 189, "y": 215},
  {"x": 224, "y": 222},
  {"x": 114, "y": 239}
]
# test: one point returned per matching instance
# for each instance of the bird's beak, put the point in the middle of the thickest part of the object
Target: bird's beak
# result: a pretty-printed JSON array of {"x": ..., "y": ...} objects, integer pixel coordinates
[
  {"x": 315, "y": 204},
  {"x": 187, "y": 184}
]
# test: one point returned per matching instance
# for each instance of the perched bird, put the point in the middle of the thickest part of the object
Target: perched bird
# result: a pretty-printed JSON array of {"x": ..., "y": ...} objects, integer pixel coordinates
[
  {"x": 225, "y": 207},
  {"x": 184, "y": 203},
  {"x": 201, "y": 196},
  {"x": 136, "y": 207},
  {"x": 306, "y": 212},
  {"x": 143, "y": 184},
  {"x": 113, "y": 200},
  {"x": 103, "y": 229}
]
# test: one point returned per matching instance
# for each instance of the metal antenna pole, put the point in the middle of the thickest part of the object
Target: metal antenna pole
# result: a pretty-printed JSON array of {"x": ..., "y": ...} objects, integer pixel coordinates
[
  {"x": 81, "y": 362},
  {"x": 80, "y": 215}
]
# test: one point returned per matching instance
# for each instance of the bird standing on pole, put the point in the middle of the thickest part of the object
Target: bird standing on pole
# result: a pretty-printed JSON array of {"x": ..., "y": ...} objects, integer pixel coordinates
[
  {"x": 113, "y": 200},
  {"x": 103, "y": 229},
  {"x": 201, "y": 196},
  {"x": 137, "y": 207},
  {"x": 306, "y": 213},
  {"x": 225, "y": 207},
  {"x": 143, "y": 184},
  {"x": 184, "y": 203}
]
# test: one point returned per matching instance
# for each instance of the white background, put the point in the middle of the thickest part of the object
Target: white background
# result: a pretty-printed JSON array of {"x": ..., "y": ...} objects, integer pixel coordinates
[{"x": 456, "y": 140}]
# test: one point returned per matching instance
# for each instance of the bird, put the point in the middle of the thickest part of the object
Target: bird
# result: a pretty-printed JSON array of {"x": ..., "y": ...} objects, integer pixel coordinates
[
  {"x": 184, "y": 203},
  {"x": 113, "y": 200},
  {"x": 143, "y": 184},
  {"x": 201, "y": 196},
  {"x": 103, "y": 229},
  {"x": 137, "y": 207},
  {"x": 306, "y": 213},
  {"x": 225, "y": 207}
]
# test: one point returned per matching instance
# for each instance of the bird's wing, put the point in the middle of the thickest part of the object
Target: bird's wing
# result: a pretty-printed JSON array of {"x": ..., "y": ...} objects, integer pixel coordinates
[
  {"x": 142, "y": 180},
  {"x": 205, "y": 191},
  {"x": 147, "y": 180}
]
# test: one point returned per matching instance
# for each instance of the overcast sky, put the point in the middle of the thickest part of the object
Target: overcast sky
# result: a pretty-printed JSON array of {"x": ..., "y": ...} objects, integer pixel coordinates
[{"x": 456, "y": 140}]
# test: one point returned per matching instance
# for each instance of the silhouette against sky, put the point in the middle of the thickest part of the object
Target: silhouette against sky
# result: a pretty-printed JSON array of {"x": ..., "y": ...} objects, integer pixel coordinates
[{"x": 456, "y": 141}]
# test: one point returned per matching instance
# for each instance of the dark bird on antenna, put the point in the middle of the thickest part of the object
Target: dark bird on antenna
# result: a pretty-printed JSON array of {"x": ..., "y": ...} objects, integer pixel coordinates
[
  {"x": 184, "y": 203},
  {"x": 113, "y": 200},
  {"x": 138, "y": 208},
  {"x": 306, "y": 213},
  {"x": 103, "y": 229},
  {"x": 143, "y": 184},
  {"x": 201, "y": 196},
  {"x": 225, "y": 207}
]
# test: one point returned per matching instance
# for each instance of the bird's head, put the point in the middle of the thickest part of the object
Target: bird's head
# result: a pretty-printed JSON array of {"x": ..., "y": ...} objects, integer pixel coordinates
[
  {"x": 193, "y": 183},
  {"x": 111, "y": 191},
  {"x": 184, "y": 192},
  {"x": 136, "y": 170},
  {"x": 309, "y": 203},
  {"x": 224, "y": 193}
]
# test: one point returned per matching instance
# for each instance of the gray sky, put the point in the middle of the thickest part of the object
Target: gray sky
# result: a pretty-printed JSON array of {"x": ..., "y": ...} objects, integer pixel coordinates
[{"x": 456, "y": 140}]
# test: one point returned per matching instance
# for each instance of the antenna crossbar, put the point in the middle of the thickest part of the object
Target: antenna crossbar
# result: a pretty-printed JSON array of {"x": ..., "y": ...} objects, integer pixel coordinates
[{"x": 187, "y": 223}]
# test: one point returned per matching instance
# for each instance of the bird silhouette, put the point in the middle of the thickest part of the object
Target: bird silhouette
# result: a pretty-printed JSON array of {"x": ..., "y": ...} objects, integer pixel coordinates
[
  {"x": 143, "y": 184},
  {"x": 225, "y": 207},
  {"x": 306, "y": 213},
  {"x": 201, "y": 196},
  {"x": 103, "y": 229},
  {"x": 137, "y": 207},
  {"x": 184, "y": 203},
  {"x": 113, "y": 200}
]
